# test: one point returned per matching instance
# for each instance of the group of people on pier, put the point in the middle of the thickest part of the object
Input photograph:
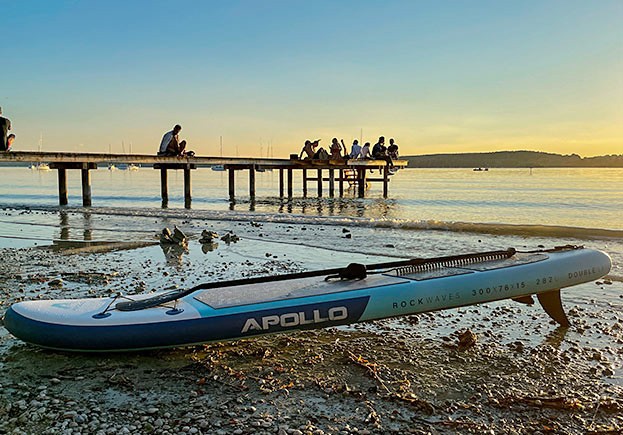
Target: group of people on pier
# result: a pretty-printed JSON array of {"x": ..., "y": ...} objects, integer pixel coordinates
[
  {"x": 338, "y": 151},
  {"x": 172, "y": 146}
]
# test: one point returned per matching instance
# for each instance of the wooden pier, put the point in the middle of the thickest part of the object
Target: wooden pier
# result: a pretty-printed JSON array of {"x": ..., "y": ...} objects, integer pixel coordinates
[{"x": 352, "y": 172}]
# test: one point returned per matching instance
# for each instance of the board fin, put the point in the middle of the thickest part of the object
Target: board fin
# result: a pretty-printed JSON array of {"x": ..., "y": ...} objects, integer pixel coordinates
[
  {"x": 551, "y": 303},
  {"x": 524, "y": 300}
]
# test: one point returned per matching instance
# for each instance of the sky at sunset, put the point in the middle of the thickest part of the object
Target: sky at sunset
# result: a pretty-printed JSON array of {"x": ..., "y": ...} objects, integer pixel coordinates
[{"x": 439, "y": 76}]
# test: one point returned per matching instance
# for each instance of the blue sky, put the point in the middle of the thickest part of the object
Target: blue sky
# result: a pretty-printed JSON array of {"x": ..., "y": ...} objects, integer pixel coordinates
[{"x": 447, "y": 76}]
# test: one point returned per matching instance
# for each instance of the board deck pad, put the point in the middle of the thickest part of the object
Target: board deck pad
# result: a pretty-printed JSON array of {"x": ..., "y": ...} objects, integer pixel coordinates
[
  {"x": 442, "y": 272},
  {"x": 249, "y": 294},
  {"x": 516, "y": 260}
]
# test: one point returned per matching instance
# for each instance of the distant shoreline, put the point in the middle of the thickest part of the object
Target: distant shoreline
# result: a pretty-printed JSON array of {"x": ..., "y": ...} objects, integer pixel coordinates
[
  {"x": 496, "y": 159},
  {"x": 512, "y": 159}
]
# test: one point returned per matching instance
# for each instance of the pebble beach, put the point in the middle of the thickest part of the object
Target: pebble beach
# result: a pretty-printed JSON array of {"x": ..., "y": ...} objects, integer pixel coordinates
[{"x": 517, "y": 372}]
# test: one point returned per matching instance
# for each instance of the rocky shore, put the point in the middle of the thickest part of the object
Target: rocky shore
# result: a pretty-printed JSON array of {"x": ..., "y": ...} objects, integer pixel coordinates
[{"x": 499, "y": 368}]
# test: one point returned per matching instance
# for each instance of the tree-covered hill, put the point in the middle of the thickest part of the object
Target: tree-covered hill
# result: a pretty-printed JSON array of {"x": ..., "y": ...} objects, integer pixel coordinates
[{"x": 512, "y": 159}]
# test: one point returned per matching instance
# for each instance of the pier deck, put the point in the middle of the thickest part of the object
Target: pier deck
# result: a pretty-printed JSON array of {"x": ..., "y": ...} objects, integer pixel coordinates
[{"x": 352, "y": 171}]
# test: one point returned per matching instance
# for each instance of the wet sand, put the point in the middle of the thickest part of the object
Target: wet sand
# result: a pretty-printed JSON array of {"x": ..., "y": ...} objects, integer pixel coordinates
[{"x": 405, "y": 375}]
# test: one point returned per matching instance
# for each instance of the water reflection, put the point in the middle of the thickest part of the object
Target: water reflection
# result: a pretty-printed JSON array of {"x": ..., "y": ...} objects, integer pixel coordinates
[
  {"x": 208, "y": 247},
  {"x": 174, "y": 254},
  {"x": 64, "y": 225},
  {"x": 87, "y": 232},
  {"x": 556, "y": 337},
  {"x": 363, "y": 208}
]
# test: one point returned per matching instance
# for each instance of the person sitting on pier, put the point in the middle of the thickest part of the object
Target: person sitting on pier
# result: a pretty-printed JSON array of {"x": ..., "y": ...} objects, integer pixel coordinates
[
  {"x": 392, "y": 149},
  {"x": 9, "y": 141},
  {"x": 355, "y": 151},
  {"x": 5, "y": 126},
  {"x": 336, "y": 149},
  {"x": 365, "y": 151},
  {"x": 379, "y": 151},
  {"x": 171, "y": 145},
  {"x": 310, "y": 149}
]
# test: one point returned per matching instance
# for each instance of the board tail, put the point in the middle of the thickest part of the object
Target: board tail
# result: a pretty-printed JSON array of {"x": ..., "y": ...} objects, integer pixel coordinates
[{"x": 551, "y": 303}]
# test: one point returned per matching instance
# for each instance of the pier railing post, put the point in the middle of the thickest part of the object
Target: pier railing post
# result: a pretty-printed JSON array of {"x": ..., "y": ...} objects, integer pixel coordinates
[
  {"x": 62, "y": 186},
  {"x": 187, "y": 188}
]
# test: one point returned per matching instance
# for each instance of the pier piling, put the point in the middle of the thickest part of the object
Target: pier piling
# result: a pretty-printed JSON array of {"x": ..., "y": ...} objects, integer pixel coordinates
[
  {"x": 62, "y": 186},
  {"x": 86, "y": 187},
  {"x": 281, "y": 182},
  {"x": 232, "y": 184},
  {"x": 361, "y": 182},
  {"x": 252, "y": 181},
  {"x": 319, "y": 180},
  {"x": 187, "y": 188},
  {"x": 341, "y": 175},
  {"x": 164, "y": 189},
  {"x": 385, "y": 181}
]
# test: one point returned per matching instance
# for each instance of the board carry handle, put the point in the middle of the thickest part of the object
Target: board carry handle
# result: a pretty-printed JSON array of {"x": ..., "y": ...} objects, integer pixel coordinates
[{"x": 342, "y": 273}]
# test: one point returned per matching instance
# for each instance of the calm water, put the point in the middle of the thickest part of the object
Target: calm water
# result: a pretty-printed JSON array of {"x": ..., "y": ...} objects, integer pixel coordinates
[{"x": 587, "y": 198}]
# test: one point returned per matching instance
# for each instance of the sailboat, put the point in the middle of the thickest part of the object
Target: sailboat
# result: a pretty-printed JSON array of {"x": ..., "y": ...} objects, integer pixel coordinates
[
  {"x": 122, "y": 166},
  {"x": 40, "y": 166},
  {"x": 257, "y": 167},
  {"x": 219, "y": 167},
  {"x": 133, "y": 166},
  {"x": 111, "y": 165},
  {"x": 269, "y": 153}
]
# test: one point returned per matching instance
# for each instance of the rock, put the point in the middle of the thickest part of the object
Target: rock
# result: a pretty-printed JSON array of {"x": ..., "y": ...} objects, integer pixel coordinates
[
  {"x": 230, "y": 238},
  {"x": 56, "y": 283},
  {"x": 208, "y": 236},
  {"x": 177, "y": 237},
  {"x": 467, "y": 339}
]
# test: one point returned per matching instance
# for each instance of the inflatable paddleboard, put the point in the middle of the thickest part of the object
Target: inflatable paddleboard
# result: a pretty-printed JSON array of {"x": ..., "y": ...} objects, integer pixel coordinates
[{"x": 249, "y": 307}]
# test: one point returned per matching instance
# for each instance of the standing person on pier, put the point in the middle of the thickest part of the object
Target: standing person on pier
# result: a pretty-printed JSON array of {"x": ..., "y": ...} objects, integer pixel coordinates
[
  {"x": 171, "y": 145},
  {"x": 5, "y": 126}
]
